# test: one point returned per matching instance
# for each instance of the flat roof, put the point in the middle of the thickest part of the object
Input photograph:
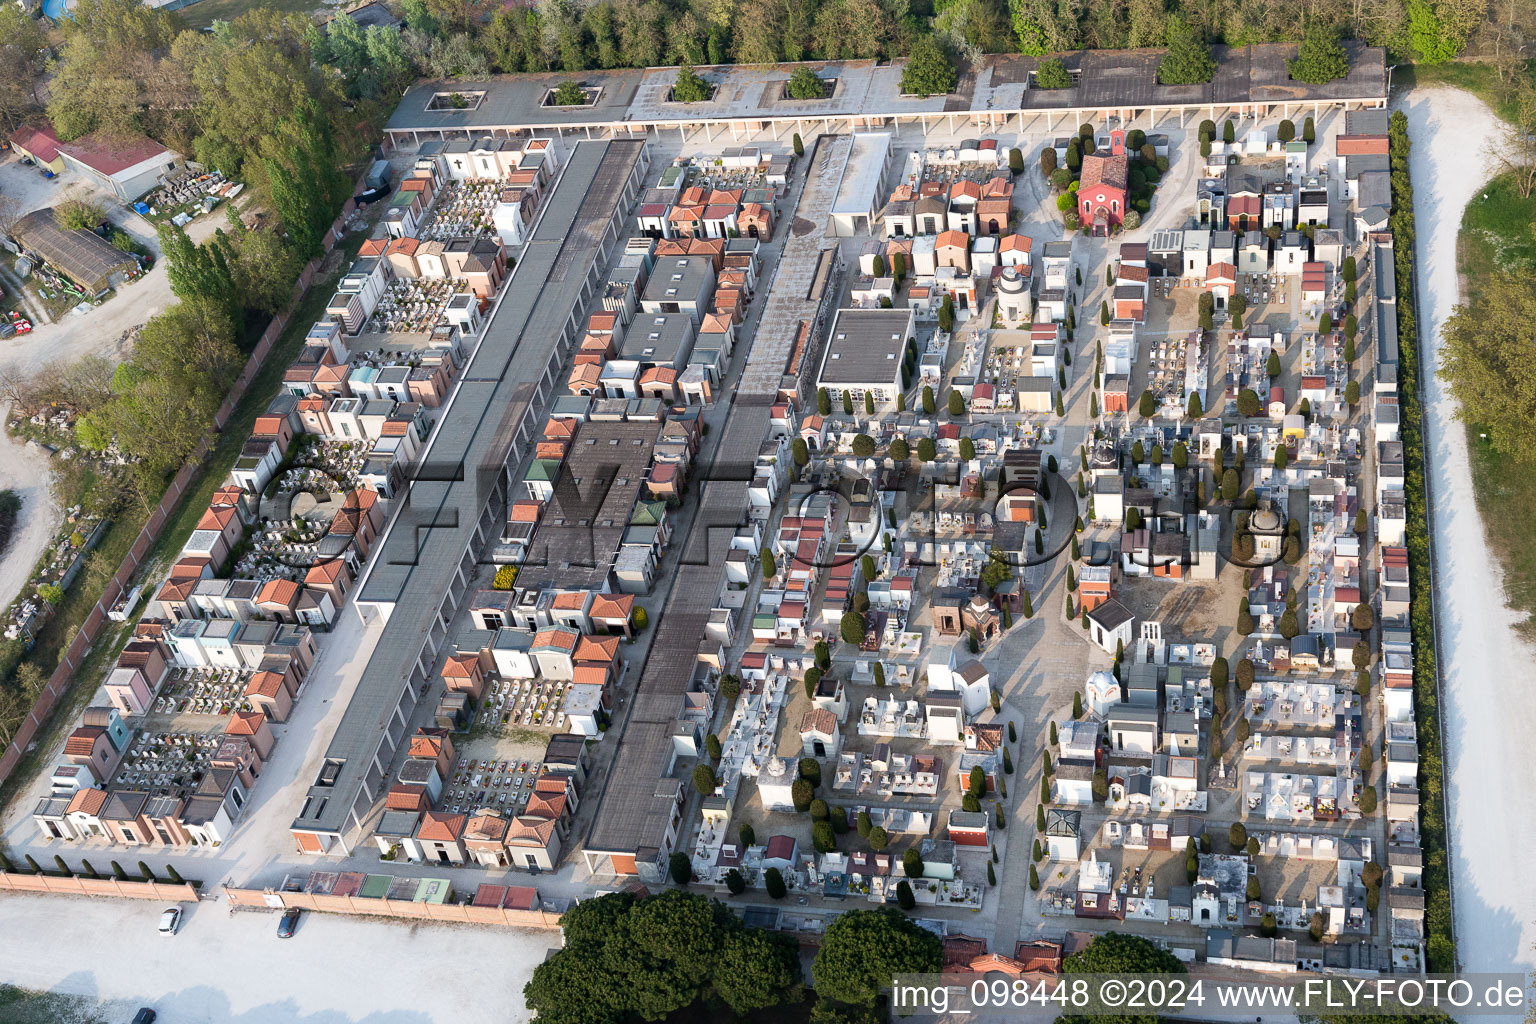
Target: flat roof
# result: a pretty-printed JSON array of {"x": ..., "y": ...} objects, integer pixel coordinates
[
  {"x": 456, "y": 476},
  {"x": 861, "y": 173},
  {"x": 865, "y": 346},
  {"x": 866, "y": 88}
]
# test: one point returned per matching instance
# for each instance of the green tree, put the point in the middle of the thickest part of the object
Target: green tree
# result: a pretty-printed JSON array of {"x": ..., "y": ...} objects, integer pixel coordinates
[
  {"x": 1309, "y": 130},
  {"x": 680, "y": 868},
  {"x": 1248, "y": 402},
  {"x": 929, "y": 405},
  {"x": 926, "y": 450},
  {"x": 688, "y": 86},
  {"x": 823, "y": 402},
  {"x": 804, "y": 84},
  {"x": 912, "y": 863},
  {"x": 1118, "y": 953},
  {"x": 704, "y": 779},
  {"x": 1188, "y": 59},
  {"x": 1287, "y": 131},
  {"x": 1051, "y": 73},
  {"x": 899, "y": 451},
  {"x": 863, "y": 949},
  {"x": 1320, "y": 58},
  {"x": 769, "y": 566},
  {"x": 1487, "y": 360},
  {"x": 1147, "y": 405},
  {"x": 879, "y": 839},
  {"x": 852, "y": 628},
  {"x": 956, "y": 403},
  {"x": 967, "y": 449},
  {"x": 773, "y": 881},
  {"x": 863, "y": 445},
  {"x": 1191, "y": 861},
  {"x": 568, "y": 94},
  {"x": 928, "y": 71},
  {"x": 800, "y": 452},
  {"x": 1431, "y": 39}
]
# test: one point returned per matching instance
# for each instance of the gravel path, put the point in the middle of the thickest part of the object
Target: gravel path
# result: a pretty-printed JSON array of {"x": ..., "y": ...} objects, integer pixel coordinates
[{"x": 1489, "y": 719}]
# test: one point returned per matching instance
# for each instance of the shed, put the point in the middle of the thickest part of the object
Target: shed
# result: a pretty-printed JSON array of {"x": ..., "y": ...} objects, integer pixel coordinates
[{"x": 82, "y": 256}]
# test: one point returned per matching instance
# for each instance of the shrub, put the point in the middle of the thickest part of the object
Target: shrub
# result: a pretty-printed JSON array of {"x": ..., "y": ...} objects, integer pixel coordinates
[
  {"x": 680, "y": 868},
  {"x": 1237, "y": 835},
  {"x": 804, "y": 84},
  {"x": 689, "y": 87},
  {"x": 639, "y": 619},
  {"x": 730, "y": 686},
  {"x": 1368, "y": 800},
  {"x": 912, "y": 863},
  {"x": 1286, "y": 131},
  {"x": 773, "y": 881},
  {"x": 878, "y": 838},
  {"x": 928, "y": 71},
  {"x": 1191, "y": 861},
  {"x": 747, "y": 835},
  {"x": 569, "y": 94},
  {"x": 820, "y": 811},
  {"x": 810, "y": 770},
  {"x": 822, "y": 837},
  {"x": 904, "y": 898},
  {"x": 704, "y": 779},
  {"x": 798, "y": 144},
  {"x": 1051, "y": 73},
  {"x": 735, "y": 882},
  {"x": 802, "y": 793}
]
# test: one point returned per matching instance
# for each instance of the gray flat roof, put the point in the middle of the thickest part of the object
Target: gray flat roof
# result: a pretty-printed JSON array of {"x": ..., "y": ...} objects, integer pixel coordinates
[
  {"x": 456, "y": 476},
  {"x": 865, "y": 346},
  {"x": 1108, "y": 79}
]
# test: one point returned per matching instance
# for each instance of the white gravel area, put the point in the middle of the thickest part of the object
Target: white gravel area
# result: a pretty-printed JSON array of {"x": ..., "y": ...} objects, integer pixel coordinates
[
  {"x": 1490, "y": 712},
  {"x": 224, "y": 968}
]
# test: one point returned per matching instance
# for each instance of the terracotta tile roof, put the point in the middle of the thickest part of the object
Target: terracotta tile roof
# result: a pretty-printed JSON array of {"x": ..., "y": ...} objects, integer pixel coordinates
[
  {"x": 217, "y": 518},
  {"x": 245, "y": 723},
  {"x": 659, "y": 375},
  {"x": 374, "y": 247},
  {"x": 190, "y": 568},
  {"x": 591, "y": 674},
  {"x": 264, "y": 684},
  {"x": 560, "y": 638},
  {"x": 1098, "y": 169},
  {"x": 486, "y": 828},
  {"x": 597, "y": 648},
  {"x": 546, "y": 804},
  {"x": 1361, "y": 145},
  {"x": 818, "y": 720},
  {"x": 570, "y": 601},
  {"x": 948, "y": 238},
  {"x": 426, "y": 746},
  {"x": 82, "y": 742},
  {"x": 177, "y": 590},
  {"x": 525, "y": 511},
  {"x": 441, "y": 827},
  {"x": 964, "y": 190},
  {"x": 328, "y": 571},
  {"x": 88, "y": 801},
  {"x": 526, "y": 831},
  {"x": 612, "y": 606},
  {"x": 1220, "y": 272},
  {"x": 406, "y": 798},
  {"x": 461, "y": 666},
  {"x": 560, "y": 428},
  {"x": 278, "y": 592}
]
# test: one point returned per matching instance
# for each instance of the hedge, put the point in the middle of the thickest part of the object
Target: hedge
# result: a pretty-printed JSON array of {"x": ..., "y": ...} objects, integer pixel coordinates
[{"x": 1438, "y": 919}]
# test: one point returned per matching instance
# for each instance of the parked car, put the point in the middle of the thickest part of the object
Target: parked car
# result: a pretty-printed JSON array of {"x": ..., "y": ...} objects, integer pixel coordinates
[
  {"x": 144, "y": 1016},
  {"x": 170, "y": 921},
  {"x": 287, "y": 923}
]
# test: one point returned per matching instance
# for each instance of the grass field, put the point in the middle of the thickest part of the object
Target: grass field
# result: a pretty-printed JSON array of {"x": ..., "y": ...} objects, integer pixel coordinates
[
  {"x": 1479, "y": 78},
  {"x": 24, "y": 1006},
  {"x": 206, "y": 12},
  {"x": 1496, "y": 233}
]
